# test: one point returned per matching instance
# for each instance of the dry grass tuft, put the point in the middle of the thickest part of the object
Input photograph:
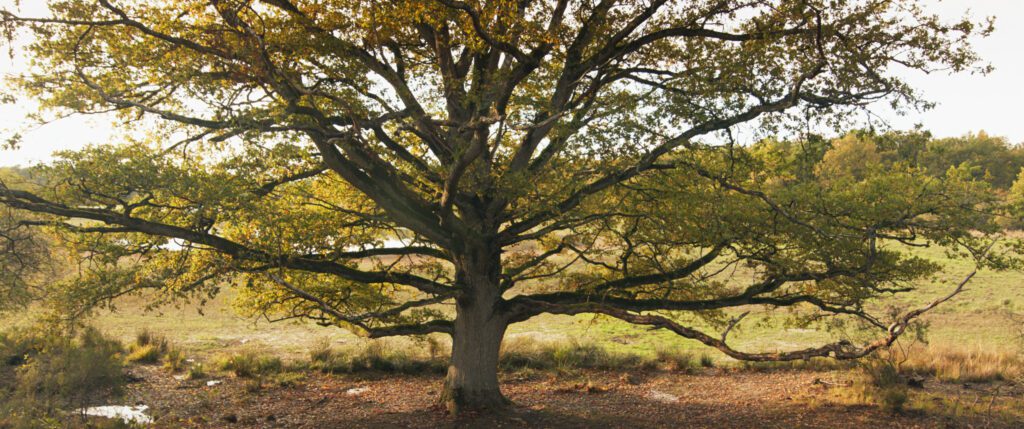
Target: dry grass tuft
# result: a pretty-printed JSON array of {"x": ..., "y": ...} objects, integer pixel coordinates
[
  {"x": 249, "y": 364},
  {"x": 972, "y": 365},
  {"x": 521, "y": 353},
  {"x": 373, "y": 356},
  {"x": 149, "y": 348}
]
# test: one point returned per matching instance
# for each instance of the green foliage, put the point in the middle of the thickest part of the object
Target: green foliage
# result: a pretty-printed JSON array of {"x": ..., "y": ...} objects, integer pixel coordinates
[
  {"x": 321, "y": 353},
  {"x": 529, "y": 354},
  {"x": 676, "y": 360},
  {"x": 174, "y": 360},
  {"x": 551, "y": 157},
  {"x": 288, "y": 379},
  {"x": 989, "y": 158},
  {"x": 146, "y": 354},
  {"x": 792, "y": 158},
  {"x": 852, "y": 157},
  {"x": 150, "y": 348},
  {"x": 60, "y": 374},
  {"x": 18, "y": 345},
  {"x": 196, "y": 372},
  {"x": 145, "y": 337},
  {"x": 24, "y": 260},
  {"x": 1015, "y": 203},
  {"x": 374, "y": 356},
  {"x": 250, "y": 364}
]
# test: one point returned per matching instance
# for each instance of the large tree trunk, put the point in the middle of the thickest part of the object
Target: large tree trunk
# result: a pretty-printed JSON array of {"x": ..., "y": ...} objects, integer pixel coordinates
[{"x": 472, "y": 380}]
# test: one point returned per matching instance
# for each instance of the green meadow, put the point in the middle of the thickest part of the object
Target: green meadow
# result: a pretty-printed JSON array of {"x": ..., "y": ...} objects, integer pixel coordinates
[{"x": 980, "y": 318}]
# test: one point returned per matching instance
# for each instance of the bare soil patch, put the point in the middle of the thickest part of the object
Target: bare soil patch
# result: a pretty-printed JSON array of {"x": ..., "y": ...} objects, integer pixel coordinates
[{"x": 711, "y": 399}]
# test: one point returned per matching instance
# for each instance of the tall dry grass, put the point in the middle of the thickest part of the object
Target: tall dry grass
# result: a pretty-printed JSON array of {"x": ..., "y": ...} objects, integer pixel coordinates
[{"x": 947, "y": 363}]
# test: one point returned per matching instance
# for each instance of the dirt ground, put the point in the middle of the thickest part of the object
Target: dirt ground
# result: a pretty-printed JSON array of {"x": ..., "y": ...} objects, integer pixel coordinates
[{"x": 712, "y": 399}]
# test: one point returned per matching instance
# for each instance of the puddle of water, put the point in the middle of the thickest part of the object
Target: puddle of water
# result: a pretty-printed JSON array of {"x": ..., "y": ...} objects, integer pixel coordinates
[{"x": 125, "y": 413}]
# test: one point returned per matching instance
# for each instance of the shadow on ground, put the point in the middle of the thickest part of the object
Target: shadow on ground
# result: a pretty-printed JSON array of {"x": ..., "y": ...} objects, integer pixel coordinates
[{"x": 715, "y": 399}]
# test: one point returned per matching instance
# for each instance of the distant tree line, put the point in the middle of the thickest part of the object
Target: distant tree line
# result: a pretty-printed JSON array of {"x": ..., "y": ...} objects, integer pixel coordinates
[{"x": 990, "y": 158}]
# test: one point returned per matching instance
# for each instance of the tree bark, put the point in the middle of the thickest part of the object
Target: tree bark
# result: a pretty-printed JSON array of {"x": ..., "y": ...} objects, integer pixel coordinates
[{"x": 472, "y": 380}]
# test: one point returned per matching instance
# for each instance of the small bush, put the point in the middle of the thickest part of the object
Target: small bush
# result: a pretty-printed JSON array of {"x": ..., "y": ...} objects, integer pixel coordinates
[
  {"x": 892, "y": 399},
  {"x": 321, "y": 352},
  {"x": 174, "y": 360},
  {"x": 66, "y": 373},
  {"x": 330, "y": 361},
  {"x": 374, "y": 356},
  {"x": 196, "y": 372},
  {"x": 436, "y": 348},
  {"x": 145, "y": 354},
  {"x": 526, "y": 353},
  {"x": 675, "y": 360},
  {"x": 253, "y": 385},
  {"x": 288, "y": 379},
  {"x": 813, "y": 364},
  {"x": 146, "y": 337},
  {"x": 17, "y": 345},
  {"x": 707, "y": 361},
  {"x": 148, "y": 348},
  {"x": 882, "y": 373},
  {"x": 576, "y": 355},
  {"x": 250, "y": 364},
  {"x": 880, "y": 383}
]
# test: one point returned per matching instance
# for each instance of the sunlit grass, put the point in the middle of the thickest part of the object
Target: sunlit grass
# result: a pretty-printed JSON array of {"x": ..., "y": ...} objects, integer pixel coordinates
[{"x": 978, "y": 319}]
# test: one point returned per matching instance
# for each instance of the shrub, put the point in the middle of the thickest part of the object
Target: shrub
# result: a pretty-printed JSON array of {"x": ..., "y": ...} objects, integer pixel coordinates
[
  {"x": 17, "y": 345},
  {"x": 436, "y": 348},
  {"x": 148, "y": 348},
  {"x": 253, "y": 385},
  {"x": 707, "y": 361},
  {"x": 880, "y": 373},
  {"x": 326, "y": 359},
  {"x": 146, "y": 354},
  {"x": 813, "y": 364},
  {"x": 289, "y": 379},
  {"x": 250, "y": 364},
  {"x": 174, "y": 360},
  {"x": 373, "y": 356},
  {"x": 880, "y": 383},
  {"x": 196, "y": 372},
  {"x": 66, "y": 373},
  {"x": 526, "y": 353},
  {"x": 892, "y": 398},
  {"x": 376, "y": 356},
  {"x": 675, "y": 360},
  {"x": 321, "y": 352},
  {"x": 146, "y": 337}
]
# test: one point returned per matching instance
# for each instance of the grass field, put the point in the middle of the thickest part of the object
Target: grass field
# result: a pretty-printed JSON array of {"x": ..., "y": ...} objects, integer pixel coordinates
[
  {"x": 978, "y": 319},
  {"x": 572, "y": 371}
]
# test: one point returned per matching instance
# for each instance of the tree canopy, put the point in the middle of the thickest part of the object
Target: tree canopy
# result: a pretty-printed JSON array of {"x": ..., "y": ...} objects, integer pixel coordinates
[{"x": 444, "y": 166}]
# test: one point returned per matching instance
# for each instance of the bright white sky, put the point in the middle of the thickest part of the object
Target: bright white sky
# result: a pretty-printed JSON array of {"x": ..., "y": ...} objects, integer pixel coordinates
[{"x": 966, "y": 102}]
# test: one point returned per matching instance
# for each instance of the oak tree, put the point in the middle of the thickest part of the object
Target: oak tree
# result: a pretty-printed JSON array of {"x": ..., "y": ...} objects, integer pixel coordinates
[{"x": 410, "y": 167}]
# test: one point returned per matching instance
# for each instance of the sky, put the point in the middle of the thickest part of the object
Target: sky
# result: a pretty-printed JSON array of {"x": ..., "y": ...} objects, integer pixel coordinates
[{"x": 966, "y": 103}]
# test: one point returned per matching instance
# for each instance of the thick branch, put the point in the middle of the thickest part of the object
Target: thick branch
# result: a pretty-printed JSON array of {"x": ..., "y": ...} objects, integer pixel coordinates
[
  {"x": 30, "y": 202},
  {"x": 840, "y": 350}
]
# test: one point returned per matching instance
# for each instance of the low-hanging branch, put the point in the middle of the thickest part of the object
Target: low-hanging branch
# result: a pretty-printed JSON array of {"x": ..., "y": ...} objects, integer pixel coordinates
[
  {"x": 842, "y": 349},
  {"x": 28, "y": 201}
]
